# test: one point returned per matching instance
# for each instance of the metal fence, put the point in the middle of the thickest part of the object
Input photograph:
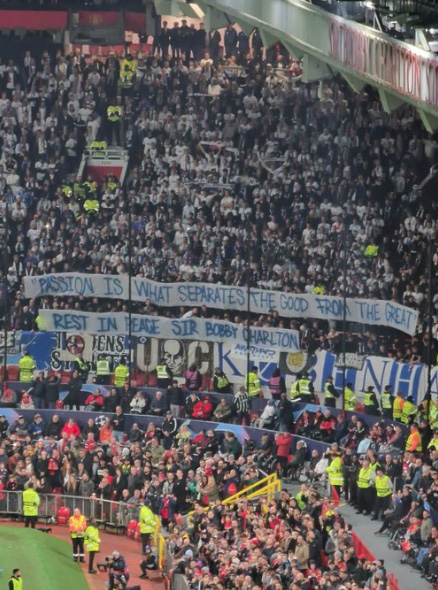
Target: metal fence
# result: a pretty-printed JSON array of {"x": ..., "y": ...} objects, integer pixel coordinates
[{"x": 115, "y": 513}]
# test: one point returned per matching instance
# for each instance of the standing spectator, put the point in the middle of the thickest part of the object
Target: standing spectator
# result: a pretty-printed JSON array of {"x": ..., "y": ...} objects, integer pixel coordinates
[
  {"x": 39, "y": 391},
  {"x": 283, "y": 442},
  {"x": 119, "y": 424},
  {"x": 52, "y": 388},
  {"x": 73, "y": 399},
  {"x": 176, "y": 398},
  {"x": 164, "y": 40},
  {"x": 230, "y": 41},
  {"x": 169, "y": 429},
  {"x": 241, "y": 405}
]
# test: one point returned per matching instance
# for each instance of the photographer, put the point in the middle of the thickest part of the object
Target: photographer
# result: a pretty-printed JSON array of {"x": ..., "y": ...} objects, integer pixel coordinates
[{"x": 118, "y": 571}]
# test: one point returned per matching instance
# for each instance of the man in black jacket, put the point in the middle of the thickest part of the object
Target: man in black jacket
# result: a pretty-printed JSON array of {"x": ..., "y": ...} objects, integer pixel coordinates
[
  {"x": 176, "y": 398},
  {"x": 73, "y": 399},
  {"x": 38, "y": 391},
  {"x": 169, "y": 429}
]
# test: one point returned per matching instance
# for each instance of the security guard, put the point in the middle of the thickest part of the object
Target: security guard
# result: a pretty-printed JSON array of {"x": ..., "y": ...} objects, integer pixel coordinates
[
  {"x": 371, "y": 405},
  {"x": 371, "y": 251},
  {"x": 91, "y": 206},
  {"x": 82, "y": 367},
  {"x": 306, "y": 389},
  {"x": 121, "y": 373},
  {"x": 103, "y": 370},
  {"x": 414, "y": 444},
  {"x": 295, "y": 390},
  {"x": 364, "y": 488},
  {"x": 164, "y": 375},
  {"x": 330, "y": 393},
  {"x": 387, "y": 401},
  {"x": 252, "y": 383},
  {"x": 31, "y": 501},
  {"x": 384, "y": 492},
  {"x": 129, "y": 63},
  {"x": 67, "y": 191},
  {"x": 15, "y": 581},
  {"x": 397, "y": 408},
  {"x": 78, "y": 525},
  {"x": 409, "y": 410},
  {"x": 98, "y": 148},
  {"x": 433, "y": 415},
  {"x": 27, "y": 366},
  {"x": 92, "y": 543},
  {"x": 350, "y": 398},
  {"x": 147, "y": 525},
  {"x": 113, "y": 116},
  {"x": 336, "y": 471}
]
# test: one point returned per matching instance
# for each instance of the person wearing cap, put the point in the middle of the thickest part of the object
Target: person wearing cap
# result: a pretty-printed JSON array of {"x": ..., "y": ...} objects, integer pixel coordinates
[
  {"x": 350, "y": 399},
  {"x": 306, "y": 389},
  {"x": 27, "y": 366},
  {"x": 220, "y": 382},
  {"x": 364, "y": 488},
  {"x": 384, "y": 489},
  {"x": 118, "y": 570},
  {"x": 103, "y": 370},
  {"x": 409, "y": 410},
  {"x": 330, "y": 393},
  {"x": 387, "y": 402},
  {"x": 397, "y": 408},
  {"x": 92, "y": 543},
  {"x": 147, "y": 525},
  {"x": 371, "y": 405},
  {"x": 252, "y": 382}
]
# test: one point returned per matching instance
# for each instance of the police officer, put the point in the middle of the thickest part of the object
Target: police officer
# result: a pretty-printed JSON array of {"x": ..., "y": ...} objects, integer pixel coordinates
[
  {"x": 77, "y": 525},
  {"x": 92, "y": 543},
  {"x": 387, "y": 401},
  {"x": 82, "y": 367},
  {"x": 15, "y": 581},
  {"x": 306, "y": 389},
  {"x": 27, "y": 366},
  {"x": 121, "y": 373},
  {"x": 31, "y": 501},
  {"x": 350, "y": 398},
  {"x": 164, "y": 375},
  {"x": 252, "y": 383},
  {"x": 103, "y": 370},
  {"x": 383, "y": 493},
  {"x": 147, "y": 525},
  {"x": 330, "y": 393},
  {"x": 371, "y": 405},
  {"x": 364, "y": 488}
]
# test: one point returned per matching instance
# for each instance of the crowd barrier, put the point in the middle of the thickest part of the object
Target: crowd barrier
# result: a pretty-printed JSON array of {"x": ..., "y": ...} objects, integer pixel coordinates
[{"x": 117, "y": 514}]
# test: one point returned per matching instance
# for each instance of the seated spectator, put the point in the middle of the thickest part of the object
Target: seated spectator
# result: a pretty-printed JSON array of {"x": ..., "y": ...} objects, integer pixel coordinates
[
  {"x": 159, "y": 404},
  {"x": 191, "y": 402},
  {"x": 26, "y": 402},
  {"x": 71, "y": 428},
  {"x": 223, "y": 411},
  {"x": 111, "y": 401},
  {"x": 203, "y": 409},
  {"x": 106, "y": 432},
  {"x": 138, "y": 403},
  {"x": 94, "y": 401}
]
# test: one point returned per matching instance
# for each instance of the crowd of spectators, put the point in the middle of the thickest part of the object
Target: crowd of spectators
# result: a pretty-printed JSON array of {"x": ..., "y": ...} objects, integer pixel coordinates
[{"x": 225, "y": 152}]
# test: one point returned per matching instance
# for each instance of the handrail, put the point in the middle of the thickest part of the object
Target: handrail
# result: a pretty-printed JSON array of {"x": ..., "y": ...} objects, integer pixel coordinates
[{"x": 269, "y": 485}]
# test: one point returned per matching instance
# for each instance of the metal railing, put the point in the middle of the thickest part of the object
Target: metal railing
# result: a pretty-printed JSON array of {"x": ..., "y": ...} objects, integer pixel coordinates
[
  {"x": 104, "y": 511},
  {"x": 268, "y": 486}
]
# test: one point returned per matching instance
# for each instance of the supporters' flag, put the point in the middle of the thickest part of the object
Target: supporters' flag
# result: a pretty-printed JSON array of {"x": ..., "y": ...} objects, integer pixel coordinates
[{"x": 335, "y": 496}]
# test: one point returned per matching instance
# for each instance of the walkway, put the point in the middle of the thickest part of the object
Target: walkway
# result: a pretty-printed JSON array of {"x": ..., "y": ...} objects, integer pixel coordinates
[{"x": 129, "y": 548}]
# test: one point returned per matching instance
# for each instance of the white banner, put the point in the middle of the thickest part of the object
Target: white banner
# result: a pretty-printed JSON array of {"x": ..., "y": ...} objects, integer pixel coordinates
[
  {"x": 362, "y": 311},
  {"x": 158, "y": 327}
]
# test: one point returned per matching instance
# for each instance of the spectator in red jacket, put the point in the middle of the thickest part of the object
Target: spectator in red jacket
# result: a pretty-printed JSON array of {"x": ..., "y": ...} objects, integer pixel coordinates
[
  {"x": 71, "y": 428},
  {"x": 328, "y": 427},
  {"x": 203, "y": 409},
  {"x": 283, "y": 441},
  {"x": 94, "y": 401}
]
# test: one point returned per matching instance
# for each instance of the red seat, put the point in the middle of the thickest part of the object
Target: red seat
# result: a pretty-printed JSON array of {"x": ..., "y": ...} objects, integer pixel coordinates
[
  {"x": 151, "y": 380},
  {"x": 13, "y": 373},
  {"x": 63, "y": 515}
]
